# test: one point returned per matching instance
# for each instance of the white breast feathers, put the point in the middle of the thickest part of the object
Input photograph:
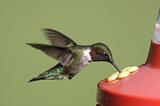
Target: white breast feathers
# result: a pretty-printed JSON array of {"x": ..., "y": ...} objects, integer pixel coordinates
[{"x": 87, "y": 55}]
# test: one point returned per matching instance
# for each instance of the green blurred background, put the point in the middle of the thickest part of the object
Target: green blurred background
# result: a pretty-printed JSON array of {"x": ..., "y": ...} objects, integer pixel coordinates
[{"x": 125, "y": 25}]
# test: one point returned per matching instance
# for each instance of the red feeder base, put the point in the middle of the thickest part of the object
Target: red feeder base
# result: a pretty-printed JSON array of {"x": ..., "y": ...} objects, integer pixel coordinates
[{"x": 141, "y": 88}]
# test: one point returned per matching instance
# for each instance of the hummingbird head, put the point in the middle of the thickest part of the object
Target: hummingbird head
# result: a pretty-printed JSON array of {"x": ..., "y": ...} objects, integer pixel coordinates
[{"x": 101, "y": 52}]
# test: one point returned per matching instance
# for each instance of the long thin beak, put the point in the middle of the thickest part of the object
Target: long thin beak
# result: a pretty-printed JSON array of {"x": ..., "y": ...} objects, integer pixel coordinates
[{"x": 116, "y": 67}]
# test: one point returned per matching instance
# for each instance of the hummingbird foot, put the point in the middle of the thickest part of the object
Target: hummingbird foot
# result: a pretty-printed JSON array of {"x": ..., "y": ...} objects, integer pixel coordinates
[{"x": 70, "y": 76}]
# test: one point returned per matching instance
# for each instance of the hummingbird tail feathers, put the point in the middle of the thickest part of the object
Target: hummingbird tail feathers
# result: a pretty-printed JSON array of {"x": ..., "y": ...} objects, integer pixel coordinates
[
  {"x": 35, "y": 79},
  {"x": 54, "y": 73}
]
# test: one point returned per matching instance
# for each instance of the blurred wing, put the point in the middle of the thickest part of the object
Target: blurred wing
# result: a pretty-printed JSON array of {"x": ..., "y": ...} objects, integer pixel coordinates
[
  {"x": 58, "y": 39},
  {"x": 63, "y": 55}
]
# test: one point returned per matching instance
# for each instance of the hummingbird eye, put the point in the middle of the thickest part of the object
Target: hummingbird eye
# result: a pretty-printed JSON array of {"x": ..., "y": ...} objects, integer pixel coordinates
[{"x": 105, "y": 53}]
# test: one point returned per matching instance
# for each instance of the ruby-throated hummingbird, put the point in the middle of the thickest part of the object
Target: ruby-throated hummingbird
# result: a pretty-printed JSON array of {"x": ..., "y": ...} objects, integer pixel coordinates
[{"x": 71, "y": 56}]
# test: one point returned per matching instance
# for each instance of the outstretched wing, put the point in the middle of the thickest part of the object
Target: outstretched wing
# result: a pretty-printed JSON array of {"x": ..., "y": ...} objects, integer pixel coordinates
[
  {"x": 63, "y": 55},
  {"x": 58, "y": 39}
]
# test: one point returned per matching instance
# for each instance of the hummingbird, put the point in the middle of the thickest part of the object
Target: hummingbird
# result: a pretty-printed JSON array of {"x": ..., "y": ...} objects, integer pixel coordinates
[{"x": 72, "y": 57}]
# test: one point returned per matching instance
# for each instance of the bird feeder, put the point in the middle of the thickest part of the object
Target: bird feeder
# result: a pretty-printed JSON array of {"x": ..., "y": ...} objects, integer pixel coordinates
[{"x": 141, "y": 88}]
